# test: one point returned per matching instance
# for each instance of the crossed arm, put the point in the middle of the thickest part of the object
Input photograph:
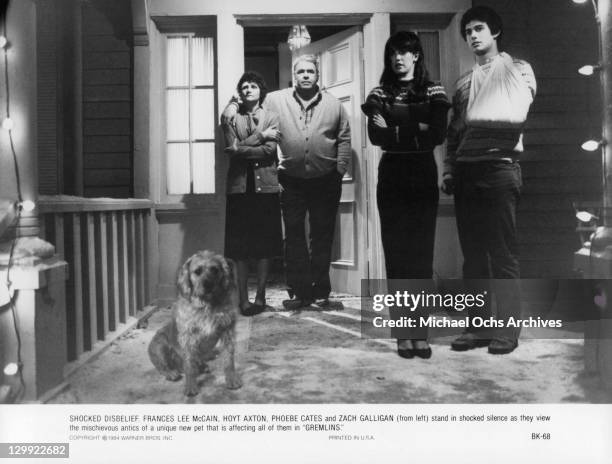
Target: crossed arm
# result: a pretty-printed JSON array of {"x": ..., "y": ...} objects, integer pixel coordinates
[
  {"x": 408, "y": 120},
  {"x": 258, "y": 146}
]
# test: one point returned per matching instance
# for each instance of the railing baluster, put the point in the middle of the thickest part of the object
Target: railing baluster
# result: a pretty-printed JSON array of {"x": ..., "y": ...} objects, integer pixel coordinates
[
  {"x": 58, "y": 220},
  {"x": 102, "y": 270},
  {"x": 133, "y": 265},
  {"x": 123, "y": 268},
  {"x": 76, "y": 276},
  {"x": 113, "y": 269},
  {"x": 91, "y": 279},
  {"x": 140, "y": 257}
]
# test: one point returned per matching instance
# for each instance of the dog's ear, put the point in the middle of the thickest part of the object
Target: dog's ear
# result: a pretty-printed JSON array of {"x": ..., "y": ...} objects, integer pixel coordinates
[{"x": 183, "y": 281}]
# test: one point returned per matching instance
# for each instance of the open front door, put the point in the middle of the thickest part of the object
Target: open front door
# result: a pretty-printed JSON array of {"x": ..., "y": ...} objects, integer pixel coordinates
[{"x": 341, "y": 74}]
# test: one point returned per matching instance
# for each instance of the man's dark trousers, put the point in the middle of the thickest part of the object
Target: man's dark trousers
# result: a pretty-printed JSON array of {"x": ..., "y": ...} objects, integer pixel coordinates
[
  {"x": 307, "y": 267},
  {"x": 486, "y": 197}
]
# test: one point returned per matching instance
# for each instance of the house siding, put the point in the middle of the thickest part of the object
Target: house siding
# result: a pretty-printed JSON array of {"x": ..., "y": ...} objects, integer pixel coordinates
[{"x": 107, "y": 109}]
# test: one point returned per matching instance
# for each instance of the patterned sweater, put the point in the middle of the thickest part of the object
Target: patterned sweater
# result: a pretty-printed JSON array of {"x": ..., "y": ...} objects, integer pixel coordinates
[
  {"x": 469, "y": 144},
  {"x": 403, "y": 108}
]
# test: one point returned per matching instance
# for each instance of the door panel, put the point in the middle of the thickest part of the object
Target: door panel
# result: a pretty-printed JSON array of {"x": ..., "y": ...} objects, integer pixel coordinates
[{"x": 341, "y": 74}]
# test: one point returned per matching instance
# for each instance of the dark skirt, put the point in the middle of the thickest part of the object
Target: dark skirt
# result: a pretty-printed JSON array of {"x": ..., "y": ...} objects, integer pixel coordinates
[{"x": 253, "y": 226}]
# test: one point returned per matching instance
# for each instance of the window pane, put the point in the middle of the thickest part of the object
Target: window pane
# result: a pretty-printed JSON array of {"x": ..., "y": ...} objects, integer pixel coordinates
[
  {"x": 177, "y": 71},
  {"x": 203, "y": 62},
  {"x": 177, "y": 122},
  {"x": 178, "y": 168},
  {"x": 203, "y": 122},
  {"x": 204, "y": 167}
]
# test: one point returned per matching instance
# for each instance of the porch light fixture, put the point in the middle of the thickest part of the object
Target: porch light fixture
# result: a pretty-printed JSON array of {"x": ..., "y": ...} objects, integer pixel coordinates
[
  {"x": 27, "y": 206},
  {"x": 580, "y": 1},
  {"x": 298, "y": 37},
  {"x": 592, "y": 145},
  {"x": 11, "y": 369},
  {"x": 3, "y": 41},
  {"x": 7, "y": 124},
  {"x": 601, "y": 298},
  {"x": 589, "y": 69},
  {"x": 585, "y": 216}
]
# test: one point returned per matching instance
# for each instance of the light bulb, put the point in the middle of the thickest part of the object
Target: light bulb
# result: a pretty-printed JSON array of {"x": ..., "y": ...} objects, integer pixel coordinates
[
  {"x": 590, "y": 145},
  {"x": 579, "y": 1},
  {"x": 28, "y": 205},
  {"x": 585, "y": 216},
  {"x": 3, "y": 41},
  {"x": 587, "y": 70},
  {"x": 8, "y": 124},
  {"x": 11, "y": 369},
  {"x": 600, "y": 299}
]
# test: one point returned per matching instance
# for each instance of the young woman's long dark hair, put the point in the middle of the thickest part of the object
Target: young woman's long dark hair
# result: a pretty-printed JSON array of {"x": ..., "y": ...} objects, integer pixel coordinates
[{"x": 404, "y": 41}]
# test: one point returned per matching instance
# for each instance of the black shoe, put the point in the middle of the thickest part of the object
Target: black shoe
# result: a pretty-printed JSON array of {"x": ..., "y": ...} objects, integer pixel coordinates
[
  {"x": 296, "y": 304},
  {"x": 252, "y": 310},
  {"x": 423, "y": 353},
  {"x": 468, "y": 341},
  {"x": 406, "y": 353},
  {"x": 502, "y": 345}
]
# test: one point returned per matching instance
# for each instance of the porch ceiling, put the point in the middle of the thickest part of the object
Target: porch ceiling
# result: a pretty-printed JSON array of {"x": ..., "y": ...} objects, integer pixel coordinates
[{"x": 267, "y": 20}]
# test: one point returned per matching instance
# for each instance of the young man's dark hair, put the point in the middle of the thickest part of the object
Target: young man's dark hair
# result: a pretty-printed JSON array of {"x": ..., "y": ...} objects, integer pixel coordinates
[
  {"x": 252, "y": 76},
  {"x": 486, "y": 15}
]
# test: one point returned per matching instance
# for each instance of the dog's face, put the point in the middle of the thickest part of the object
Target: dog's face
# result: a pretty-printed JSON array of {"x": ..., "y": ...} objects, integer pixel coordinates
[{"x": 206, "y": 276}]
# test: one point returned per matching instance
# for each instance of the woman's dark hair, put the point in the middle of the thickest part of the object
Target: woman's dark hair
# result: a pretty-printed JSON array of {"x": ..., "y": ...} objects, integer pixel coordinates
[
  {"x": 252, "y": 76},
  {"x": 486, "y": 15},
  {"x": 404, "y": 41}
]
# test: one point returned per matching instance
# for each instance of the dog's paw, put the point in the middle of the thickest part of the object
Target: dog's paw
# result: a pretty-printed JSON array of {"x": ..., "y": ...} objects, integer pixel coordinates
[
  {"x": 173, "y": 376},
  {"x": 233, "y": 381}
]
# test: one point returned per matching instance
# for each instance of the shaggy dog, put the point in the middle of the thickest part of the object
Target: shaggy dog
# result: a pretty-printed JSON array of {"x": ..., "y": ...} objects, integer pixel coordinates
[{"x": 203, "y": 317}]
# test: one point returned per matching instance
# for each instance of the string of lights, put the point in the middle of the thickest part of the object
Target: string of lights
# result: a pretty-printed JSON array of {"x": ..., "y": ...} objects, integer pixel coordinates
[
  {"x": 8, "y": 125},
  {"x": 591, "y": 69},
  {"x": 599, "y": 143}
]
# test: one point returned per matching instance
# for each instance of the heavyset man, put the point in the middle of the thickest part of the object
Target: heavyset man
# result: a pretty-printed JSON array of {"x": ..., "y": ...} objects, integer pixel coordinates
[
  {"x": 484, "y": 141},
  {"x": 315, "y": 150}
]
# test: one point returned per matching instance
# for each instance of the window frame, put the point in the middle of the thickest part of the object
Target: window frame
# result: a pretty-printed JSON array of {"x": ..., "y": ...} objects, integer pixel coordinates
[
  {"x": 190, "y": 87},
  {"x": 192, "y": 26}
]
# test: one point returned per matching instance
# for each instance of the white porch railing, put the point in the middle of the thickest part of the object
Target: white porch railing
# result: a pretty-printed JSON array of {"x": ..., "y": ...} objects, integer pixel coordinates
[{"x": 105, "y": 243}]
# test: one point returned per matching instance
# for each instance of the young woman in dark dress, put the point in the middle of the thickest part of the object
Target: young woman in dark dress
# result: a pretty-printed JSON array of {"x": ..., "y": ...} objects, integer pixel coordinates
[
  {"x": 407, "y": 119},
  {"x": 253, "y": 221}
]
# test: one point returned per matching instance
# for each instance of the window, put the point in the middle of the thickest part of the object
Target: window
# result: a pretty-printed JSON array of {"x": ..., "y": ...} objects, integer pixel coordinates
[{"x": 190, "y": 114}]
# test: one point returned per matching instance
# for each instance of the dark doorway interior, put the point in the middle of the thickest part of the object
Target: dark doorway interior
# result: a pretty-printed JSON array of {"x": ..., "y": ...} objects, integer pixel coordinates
[{"x": 261, "y": 48}]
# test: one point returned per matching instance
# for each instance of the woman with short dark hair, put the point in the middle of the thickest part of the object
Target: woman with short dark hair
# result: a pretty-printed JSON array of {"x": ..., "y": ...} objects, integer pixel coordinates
[
  {"x": 407, "y": 119},
  {"x": 253, "y": 222}
]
